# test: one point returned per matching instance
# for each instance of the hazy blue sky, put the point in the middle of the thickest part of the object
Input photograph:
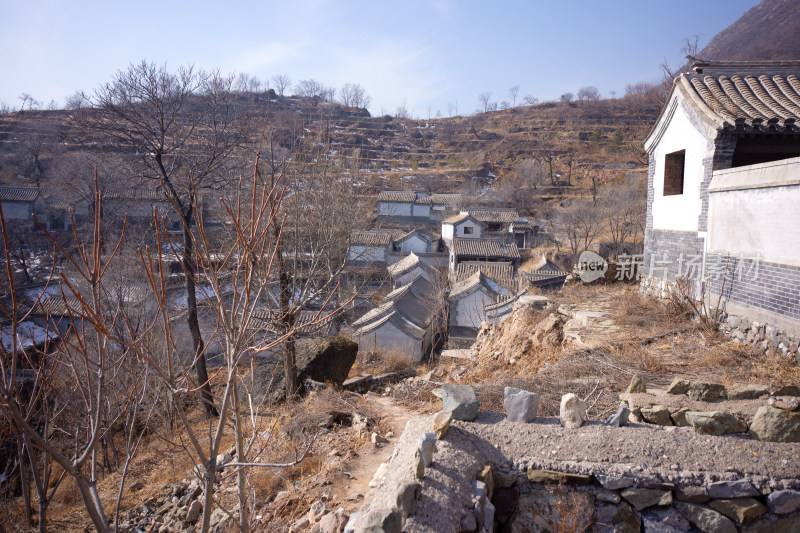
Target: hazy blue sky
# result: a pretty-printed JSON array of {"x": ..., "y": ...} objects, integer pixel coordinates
[{"x": 424, "y": 53}]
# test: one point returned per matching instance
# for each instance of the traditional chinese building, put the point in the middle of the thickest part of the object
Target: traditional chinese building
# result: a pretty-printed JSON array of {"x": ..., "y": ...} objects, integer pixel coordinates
[{"x": 723, "y": 189}]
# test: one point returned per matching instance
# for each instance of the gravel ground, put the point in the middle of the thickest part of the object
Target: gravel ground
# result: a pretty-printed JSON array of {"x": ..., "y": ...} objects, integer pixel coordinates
[{"x": 653, "y": 455}]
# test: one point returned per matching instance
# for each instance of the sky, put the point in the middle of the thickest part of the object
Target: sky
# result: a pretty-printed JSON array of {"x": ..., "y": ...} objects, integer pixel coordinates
[{"x": 430, "y": 56}]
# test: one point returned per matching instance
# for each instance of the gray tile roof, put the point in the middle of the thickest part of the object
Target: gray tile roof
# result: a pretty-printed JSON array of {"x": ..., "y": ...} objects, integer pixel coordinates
[
  {"x": 398, "y": 196},
  {"x": 19, "y": 194},
  {"x": 485, "y": 248},
  {"x": 374, "y": 238},
  {"x": 453, "y": 200},
  {"x": 752, "y": 96},
  {"x": 501, "y": 272},
  {"x": 478, "y": 279},
  {"x": 493, "y": 214},
  {"x": 409, "y": 263}
]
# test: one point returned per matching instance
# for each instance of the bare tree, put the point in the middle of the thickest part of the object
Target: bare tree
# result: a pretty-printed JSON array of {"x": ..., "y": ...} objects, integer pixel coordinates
[
  {"x": 185, "y": 129},
  {"x": 282, "y": 82},
  {"x": 588, "y": 93},
  {"x": 624, "y": 210},
  {"x": 485, "y": 100},
  {"x": 530, "y": 99},
  {"x": 567, "y": 97},
  {"x": 546, "y": 152},
  {"x": 354, "y": 95},
  {"x": 529, "y": 173},
  {"x": 84, "y": 383},
  {"x": 513, "y": 92},
  {"x": 402, "y": 111},
  {"x": 32, "y": 102},
  {"x": 580, "y": 224},
  {"x": 311, "y": 88},
  {"x": 247, "y": 84}
]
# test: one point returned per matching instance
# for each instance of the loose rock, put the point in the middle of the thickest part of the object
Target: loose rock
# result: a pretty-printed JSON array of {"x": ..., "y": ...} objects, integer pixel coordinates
[
  {"x": 317, "y": 511},
  {"x": 419, "y": 465},
  {"x": 460, "y": 400},
  {"x": 407, "y": 498},
  {"x": 195, "y": 509},
  {"x": 626, "y": 521},
  {"x": 678, "y": 386},
  {"x": 426, "y": 446},
  {"x": 679, "y": 417},
  {"x": 573, "y": 411},
  {"x": 787, "y": 403},
  {"x": 620, "y": 418},
  {"x": 636, "y": 385},
  {"x": 705, "y": 392},
  {"x": 521, "y": 405},
  {"x": 715, "y": 423},
  {"x": 747, "y": 391},
  {"x": 441, "y": 423},
  {"x": 658, "y": 414},
  {"x": 775, "y": 425}
]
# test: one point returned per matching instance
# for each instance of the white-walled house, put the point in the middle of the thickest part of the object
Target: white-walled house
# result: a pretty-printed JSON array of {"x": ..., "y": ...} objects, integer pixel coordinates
[
  {"x": 469, "y": 299},
  {"x": 370, "y": 246},
  {"x": 23, "y": 203},
  {"x": 724, "y": 186},
  {"x": 416, "y": 241},
  {"x": 411, "y": 267},
  {"x": 461, "y": 226},
  {"x": 404, "y": 204}
]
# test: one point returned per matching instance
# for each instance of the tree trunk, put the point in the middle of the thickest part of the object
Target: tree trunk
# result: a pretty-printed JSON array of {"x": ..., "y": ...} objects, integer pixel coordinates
[
  {"x": 191, "y": 318},
  {"x": 287, "y": 322}
]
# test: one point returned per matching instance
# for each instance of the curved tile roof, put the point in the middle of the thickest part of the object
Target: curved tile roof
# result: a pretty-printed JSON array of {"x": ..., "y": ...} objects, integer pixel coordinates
[
  {"x": 751, "y": 96},
  {"x": 485, "y": 248}
]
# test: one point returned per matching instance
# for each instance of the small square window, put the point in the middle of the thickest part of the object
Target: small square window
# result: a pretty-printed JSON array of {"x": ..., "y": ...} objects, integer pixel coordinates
[
  {"x": 468, "y": 230},
  {"x": 674, "y": 164}
]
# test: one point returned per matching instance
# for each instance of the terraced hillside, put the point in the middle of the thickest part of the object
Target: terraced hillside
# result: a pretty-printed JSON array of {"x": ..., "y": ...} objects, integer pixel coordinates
[{"x": 583, "y": 140}]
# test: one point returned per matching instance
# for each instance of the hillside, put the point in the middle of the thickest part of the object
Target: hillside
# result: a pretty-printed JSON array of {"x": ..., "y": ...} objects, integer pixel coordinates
[
  {"x": 600, "y": 139},
  {"x": 768, "y": 31}
]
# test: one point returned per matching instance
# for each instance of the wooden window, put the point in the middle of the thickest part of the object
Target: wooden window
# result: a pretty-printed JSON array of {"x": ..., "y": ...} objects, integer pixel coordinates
[
  {"x": 674, "y": 164},
  {"x": 467, "y": 230}
]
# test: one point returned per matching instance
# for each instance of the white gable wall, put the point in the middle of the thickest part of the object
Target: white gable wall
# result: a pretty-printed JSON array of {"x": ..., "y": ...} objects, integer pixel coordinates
[
  {"x": 388, "y": 337},
  {"x": 680, "y": 212},
  {"x": 469, "y": 311},
  {"x": 414, "y": 244},
  {"x": 468, "y": 223}
]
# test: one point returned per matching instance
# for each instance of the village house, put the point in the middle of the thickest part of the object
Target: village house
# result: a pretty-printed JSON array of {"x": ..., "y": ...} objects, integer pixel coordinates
[
  {"x": 482, "y": 250},
  {"x": 410, "y": 268},
  {"x": 402, "y": 323},
  {"x": 724, "y": 186},
  {"x": 371, "y": 246},
  {"x": 416, "y": 241},
  {"x": 23, "y": 204},
  {"x": 501, "y": 272},
  {"x": 463, "y": 226},
  {"x": 469, "y": 299},
  {"x": 411, "y": 205}
]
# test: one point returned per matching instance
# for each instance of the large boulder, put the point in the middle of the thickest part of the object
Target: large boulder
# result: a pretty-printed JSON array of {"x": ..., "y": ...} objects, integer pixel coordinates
[
  {"x": 775, "y": 425},
  {"x": 323, "y": 359}
]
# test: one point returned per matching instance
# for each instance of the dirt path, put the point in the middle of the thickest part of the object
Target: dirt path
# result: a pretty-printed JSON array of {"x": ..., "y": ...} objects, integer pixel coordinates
[{"x": 362, "y": 467}]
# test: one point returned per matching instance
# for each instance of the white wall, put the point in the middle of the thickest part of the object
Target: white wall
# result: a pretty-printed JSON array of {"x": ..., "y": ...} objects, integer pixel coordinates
[
  {"x": 366, "y": 253},
  {"x": 476, "y": 229},
  {"x": 421, "y": 210},
  {"x": 680, "y": 212},
  {"x": 469, "y": 311},
  {"x": 414, "y": 244},
  {"x": 17, "y": 210},
  {"x": 395, "y": 209},
  {"x": 447, "y": 232},
  {"x": 388, "y": 337},
  {"x": 753, "y": 210}
]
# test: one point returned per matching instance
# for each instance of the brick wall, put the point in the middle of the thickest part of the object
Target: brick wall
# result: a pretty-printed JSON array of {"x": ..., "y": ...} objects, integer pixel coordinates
[
  {"x": 769, "y": 286},
  {"x": 668, "y": 245}
]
